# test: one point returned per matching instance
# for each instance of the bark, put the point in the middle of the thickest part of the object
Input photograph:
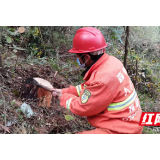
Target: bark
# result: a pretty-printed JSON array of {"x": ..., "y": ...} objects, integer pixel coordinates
[
  {"x": 1, "y": 66},
  {"x": 136, "y": 73},
  {"x": 126, "y": 46}
]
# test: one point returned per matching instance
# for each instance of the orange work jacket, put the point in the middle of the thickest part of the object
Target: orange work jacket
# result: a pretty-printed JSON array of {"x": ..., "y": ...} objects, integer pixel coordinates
[{"x": 107, "y": 97}]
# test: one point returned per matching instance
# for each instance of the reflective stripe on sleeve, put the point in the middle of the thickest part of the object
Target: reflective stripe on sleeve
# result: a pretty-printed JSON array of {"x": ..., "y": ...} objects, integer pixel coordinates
[
  {"x": 125, "y": 103},
  {"x": 68, "y": 102},
  {"x": 78, "y": 89}
]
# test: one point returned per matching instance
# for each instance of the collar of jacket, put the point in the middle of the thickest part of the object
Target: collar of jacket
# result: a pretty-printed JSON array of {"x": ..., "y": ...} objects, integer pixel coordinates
[
  {"x": 87, "y": 69},
  {"x": 95, "y": 66}
]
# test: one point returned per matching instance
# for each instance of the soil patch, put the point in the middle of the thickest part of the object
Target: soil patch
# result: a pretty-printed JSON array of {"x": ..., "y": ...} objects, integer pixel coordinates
[{"x": 13, "y": 92}]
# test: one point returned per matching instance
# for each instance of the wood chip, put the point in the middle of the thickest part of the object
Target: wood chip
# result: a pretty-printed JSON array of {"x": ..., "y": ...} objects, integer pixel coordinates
[
  {"x": 21, "y": 29},
  {"x": 41, "y": 130},
  {"x": 55, "y": 74},
  {"x": 22, "y": 130},
  {"x": 5, "y": 128}
]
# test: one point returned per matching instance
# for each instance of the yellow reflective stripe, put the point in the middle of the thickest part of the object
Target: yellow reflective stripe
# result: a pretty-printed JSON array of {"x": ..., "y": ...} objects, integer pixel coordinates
[
  {"x": 121, "y": 105},
  {"x": 68, "y": 102},
  {"x": 78, "y": 89}
]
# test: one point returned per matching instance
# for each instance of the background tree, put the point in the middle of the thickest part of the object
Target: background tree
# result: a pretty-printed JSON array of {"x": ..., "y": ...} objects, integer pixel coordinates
[
  {"x": 1, "y": 66},
  {"x": 126, "y": 46}
]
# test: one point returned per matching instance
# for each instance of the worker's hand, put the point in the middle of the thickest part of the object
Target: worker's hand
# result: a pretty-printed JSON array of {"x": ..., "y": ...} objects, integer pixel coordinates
[{"x": 57, "y": 92}]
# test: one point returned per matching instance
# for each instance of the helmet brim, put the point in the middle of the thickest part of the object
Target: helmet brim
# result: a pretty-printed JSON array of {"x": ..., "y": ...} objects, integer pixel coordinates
[{"x": 88, "y": 51}]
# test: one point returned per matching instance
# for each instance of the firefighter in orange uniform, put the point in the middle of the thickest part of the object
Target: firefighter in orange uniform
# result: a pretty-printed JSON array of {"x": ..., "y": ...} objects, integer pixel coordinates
[{"x": 107, "y": 97}]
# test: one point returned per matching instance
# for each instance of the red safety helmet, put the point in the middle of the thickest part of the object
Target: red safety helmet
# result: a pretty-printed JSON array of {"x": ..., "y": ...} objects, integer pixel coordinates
[{"x": 88, "y": 39}]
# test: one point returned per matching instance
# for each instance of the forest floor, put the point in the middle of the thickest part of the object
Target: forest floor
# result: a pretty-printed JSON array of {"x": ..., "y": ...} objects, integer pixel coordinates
[{"x": 13, "y": 93}]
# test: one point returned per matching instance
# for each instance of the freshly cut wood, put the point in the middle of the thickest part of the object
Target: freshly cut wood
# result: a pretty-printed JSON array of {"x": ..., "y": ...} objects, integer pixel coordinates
[
  {"x": 44, "y": 84},
  {"x": 44, "y": 97},
  {"x": 21, "y": 29},
  {"x": 40, "y": 82},
  {"x": 44, "y": 90}
]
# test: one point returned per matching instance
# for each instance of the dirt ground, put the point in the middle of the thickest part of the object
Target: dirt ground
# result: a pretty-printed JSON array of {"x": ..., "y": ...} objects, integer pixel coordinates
[{"x": 13, "y": 92}]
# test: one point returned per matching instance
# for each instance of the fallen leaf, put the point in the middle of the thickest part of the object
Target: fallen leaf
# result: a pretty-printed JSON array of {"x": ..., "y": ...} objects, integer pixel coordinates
[
  {"x": 3, "y": 55},
  {"x": 16, "y": 93},
  {"x": 68, "y": 117},
  {"x": 18, "y": 48},
  {"x": 9, "y": 40},
  {"x": 5, "y": 128},
  {"x": 24, "y": 130},
  {"x": 41, "y": 130},
  {"x": 55, "y": 73},
  {"x": 19, "y": 103},
  {"x": 15, "y": 51},
  {"x": 13, "y": 102},
  {"x": 1, "y": 101},
  {"x": 21, "y": 29},
  {"x": 68, "y": 133},
  {"x": 9, "y": 123}
]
